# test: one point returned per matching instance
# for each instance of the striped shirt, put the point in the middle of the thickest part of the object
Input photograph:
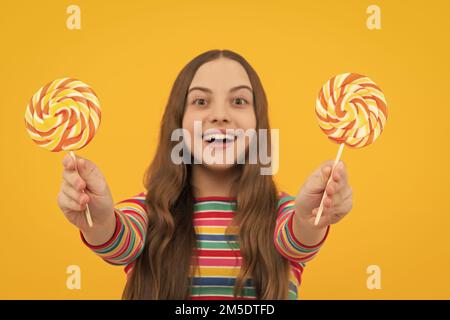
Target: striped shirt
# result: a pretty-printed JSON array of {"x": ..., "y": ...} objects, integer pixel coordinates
[{"x": 217, "y": 254}]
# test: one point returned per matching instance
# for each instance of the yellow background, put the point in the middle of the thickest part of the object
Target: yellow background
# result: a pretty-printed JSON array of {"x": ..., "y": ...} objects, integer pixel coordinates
[{"x": 130, "y": 53}]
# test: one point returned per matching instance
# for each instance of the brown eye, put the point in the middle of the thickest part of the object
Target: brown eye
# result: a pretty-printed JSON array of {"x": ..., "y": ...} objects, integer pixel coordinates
[
  {"x": 202, "y": 104},
  {"x": 242, "y": 101}
]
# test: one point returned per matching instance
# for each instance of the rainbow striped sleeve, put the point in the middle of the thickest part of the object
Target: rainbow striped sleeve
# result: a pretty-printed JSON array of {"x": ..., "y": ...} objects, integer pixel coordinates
[
  {"x": 128, "y": 239},
  {"x": 284, "y": 238}
]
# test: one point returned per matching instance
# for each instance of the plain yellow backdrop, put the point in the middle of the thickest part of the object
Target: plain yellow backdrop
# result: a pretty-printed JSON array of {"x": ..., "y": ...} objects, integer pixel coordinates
[{"x": 130, "y": 53}]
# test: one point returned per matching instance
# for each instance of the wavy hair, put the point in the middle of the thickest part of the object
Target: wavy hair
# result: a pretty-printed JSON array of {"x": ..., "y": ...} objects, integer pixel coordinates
[{"x": 164, "y": 269}]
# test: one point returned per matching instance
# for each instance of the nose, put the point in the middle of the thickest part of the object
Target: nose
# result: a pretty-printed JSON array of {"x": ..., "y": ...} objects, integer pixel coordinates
[{"x": 219, "y": 113}]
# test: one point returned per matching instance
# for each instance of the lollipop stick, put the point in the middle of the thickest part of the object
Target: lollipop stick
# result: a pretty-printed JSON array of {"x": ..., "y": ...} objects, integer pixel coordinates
[
  {"x": 338, "y": 156},
  {"x": 87, "y": 213}
]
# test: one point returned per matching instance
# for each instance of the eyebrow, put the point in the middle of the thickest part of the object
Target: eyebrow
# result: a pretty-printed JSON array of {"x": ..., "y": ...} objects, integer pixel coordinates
[{"x": 231, "y": 90}]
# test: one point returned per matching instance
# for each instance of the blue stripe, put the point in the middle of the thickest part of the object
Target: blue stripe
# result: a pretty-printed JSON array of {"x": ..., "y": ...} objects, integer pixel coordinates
[
  {"x": 292, "y": 287},
  {"x": 216, "y": 237},
  {"x": 217, "y": 281},
  {"x": 284, "y": 199},
  {"x": 221, "y": 281},
  {"x": 294, "y": 244},
  {"x": 131, "y": 243},
  {"x": 114, "y": 244}
]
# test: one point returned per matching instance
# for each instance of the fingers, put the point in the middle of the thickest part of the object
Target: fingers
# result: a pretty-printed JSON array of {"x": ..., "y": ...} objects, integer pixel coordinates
[
  {"x": 339, "y": 172},
  {"x": 334, "y": 209},
  {"x": 336, "y": 193},
  {"x": 328, "y": 201},
  {"x": 339, "y": 181},
  {"x": 324, "y": 218},
  {"x": 67, "y": 203},
  {"x": 76, "y": 195},
  {"x": 334, "y": 188},
  {"x": 87, "y": 169},
  {"x": 70, "y": 164},
  {"x": 72, "y": 196},
  {"x": 74, "y": 179},
  {"x": 326, "y": 170},
  {"x": 345, "y": 207}
]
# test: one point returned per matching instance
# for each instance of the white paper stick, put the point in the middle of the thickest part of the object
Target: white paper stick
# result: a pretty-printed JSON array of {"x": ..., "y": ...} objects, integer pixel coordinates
[
  {"x": 338, "y": 156},
  {"x": 87, "y": 213}
]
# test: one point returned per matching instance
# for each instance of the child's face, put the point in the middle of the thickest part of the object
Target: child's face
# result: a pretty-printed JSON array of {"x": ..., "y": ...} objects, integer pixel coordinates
[{"x": 214, "y": 101}]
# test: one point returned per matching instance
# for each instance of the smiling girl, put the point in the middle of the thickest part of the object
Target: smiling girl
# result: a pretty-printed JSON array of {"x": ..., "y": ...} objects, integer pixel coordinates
[{"x": 207, "y": 230}]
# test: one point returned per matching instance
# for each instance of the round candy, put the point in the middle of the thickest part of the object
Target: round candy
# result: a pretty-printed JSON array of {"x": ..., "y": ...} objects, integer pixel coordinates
[
  {"x": 63, "y": 115},
  {"x": 351, "y": 109}
]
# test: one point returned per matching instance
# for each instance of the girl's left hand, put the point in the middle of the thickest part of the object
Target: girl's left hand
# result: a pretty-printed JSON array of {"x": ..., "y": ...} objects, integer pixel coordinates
[{"x": 338, "y": 201}]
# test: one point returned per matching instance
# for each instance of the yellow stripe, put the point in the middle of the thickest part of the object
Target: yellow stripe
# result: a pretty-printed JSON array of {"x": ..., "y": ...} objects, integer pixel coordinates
[
  {"x": 218, "y": 271},
  {"x": 210, "y": 230},
  {"x": 130, "y": 205}
]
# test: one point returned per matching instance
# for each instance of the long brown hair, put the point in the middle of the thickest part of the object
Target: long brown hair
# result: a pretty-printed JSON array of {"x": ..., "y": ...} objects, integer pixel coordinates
[{"x": 163, "y": 270}]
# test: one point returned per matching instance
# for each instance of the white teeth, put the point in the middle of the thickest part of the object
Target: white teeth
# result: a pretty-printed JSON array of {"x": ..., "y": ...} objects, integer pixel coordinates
[{"x": 218, "y": 137}]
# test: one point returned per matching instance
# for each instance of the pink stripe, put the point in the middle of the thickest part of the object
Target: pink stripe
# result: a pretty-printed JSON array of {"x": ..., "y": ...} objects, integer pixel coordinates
[
  {"x": 212, "y": 297},
  {"x": 212, "y": 223},
  {"x": 219, "y": 262}
]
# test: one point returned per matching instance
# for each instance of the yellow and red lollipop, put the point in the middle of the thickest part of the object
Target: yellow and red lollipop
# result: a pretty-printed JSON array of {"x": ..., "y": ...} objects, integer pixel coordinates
[
  {"x": 63, "y": 115},
  {"x": 351, "y": 110}
]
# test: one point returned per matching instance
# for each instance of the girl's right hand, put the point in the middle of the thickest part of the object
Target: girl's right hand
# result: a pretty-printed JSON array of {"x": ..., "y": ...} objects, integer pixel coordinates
[{"x": 87, "y": 186}]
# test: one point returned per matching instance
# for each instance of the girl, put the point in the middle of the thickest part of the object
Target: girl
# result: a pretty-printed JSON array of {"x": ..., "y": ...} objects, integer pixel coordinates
[{"x": 207, "y": 230}]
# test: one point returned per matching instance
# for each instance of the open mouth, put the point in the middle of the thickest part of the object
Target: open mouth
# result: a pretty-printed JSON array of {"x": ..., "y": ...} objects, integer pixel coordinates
[{"x": 219, "y": 138}]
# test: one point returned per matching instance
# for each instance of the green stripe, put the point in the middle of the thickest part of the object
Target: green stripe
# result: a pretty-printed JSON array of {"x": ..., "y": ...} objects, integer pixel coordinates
[
  {"x": 116, "y": 241},
  {"x": 286, "y": 209},
  {"x": 131, "y": 243},
  {"x": 137, "y": 223},
  {"x": 293, "y": 244},
  {"x": 228, "y": 291},
  {"x": 217, "y": 245},
  {"x": 292, "y": 295},
  {"x": 217, "y": 290},
  {"x": 214, "y": 206},
  {"x": 284, "y": 200}
]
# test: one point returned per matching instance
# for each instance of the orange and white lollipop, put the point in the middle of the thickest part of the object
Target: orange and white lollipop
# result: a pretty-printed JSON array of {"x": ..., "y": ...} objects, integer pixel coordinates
[
  {"x": 63, "y": 115},
  {"x": 351, "y": 110}
]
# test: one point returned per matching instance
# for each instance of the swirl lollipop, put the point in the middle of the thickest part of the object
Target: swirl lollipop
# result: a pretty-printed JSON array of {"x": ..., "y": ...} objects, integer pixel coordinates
[
  {"x": 63, "y": 115},
  {"x": 351, "y": 110}
]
